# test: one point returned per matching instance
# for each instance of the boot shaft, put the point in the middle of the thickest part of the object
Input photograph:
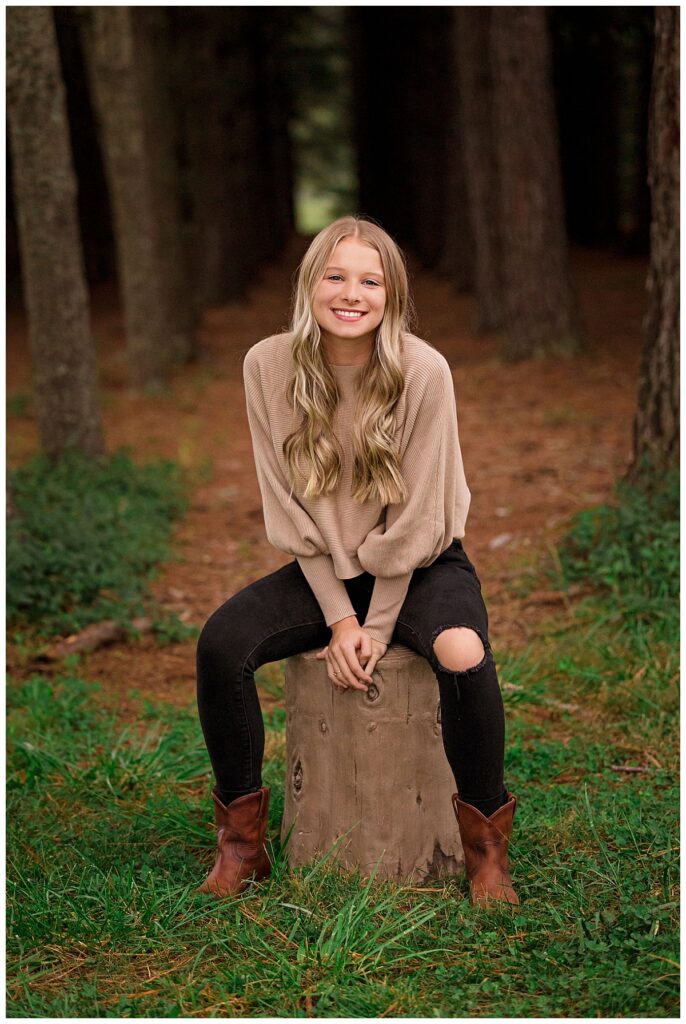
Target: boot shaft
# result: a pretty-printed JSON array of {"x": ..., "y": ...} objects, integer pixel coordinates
[
  {"x": 245, "y": 819},
  {"x": 485, "y": 843}
]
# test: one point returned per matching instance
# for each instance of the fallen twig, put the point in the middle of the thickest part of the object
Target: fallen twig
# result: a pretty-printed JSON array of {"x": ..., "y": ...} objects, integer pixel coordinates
[{"x": 98, "y": 634}]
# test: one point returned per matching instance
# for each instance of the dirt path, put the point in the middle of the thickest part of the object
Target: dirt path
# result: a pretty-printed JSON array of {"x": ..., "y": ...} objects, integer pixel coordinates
[{"x": 540, "y": 441}]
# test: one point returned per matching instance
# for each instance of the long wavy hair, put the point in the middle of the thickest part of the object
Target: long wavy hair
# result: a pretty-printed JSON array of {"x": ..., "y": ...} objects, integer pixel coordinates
[{"x": 312, "y": 451}]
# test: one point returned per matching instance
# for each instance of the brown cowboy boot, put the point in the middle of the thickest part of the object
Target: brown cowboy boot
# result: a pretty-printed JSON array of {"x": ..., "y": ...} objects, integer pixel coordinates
[
  {"x": 241, "y": 828},
  {"x": 485, "y": 842}
]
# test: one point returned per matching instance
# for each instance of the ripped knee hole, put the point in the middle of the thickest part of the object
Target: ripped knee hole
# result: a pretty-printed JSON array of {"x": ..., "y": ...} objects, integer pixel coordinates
[{"x": 464, "y": 651}]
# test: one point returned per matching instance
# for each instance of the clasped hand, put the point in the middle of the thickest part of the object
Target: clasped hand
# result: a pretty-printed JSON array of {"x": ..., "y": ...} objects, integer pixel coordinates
[{"x": 345, "y": 668}]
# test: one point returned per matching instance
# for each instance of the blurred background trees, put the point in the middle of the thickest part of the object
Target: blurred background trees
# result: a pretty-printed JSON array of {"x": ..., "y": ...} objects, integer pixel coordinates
[
  {"x": 486, "y": 140},
  {"x": 55, "y": 289},
  {"x": 167, "y": 167}
]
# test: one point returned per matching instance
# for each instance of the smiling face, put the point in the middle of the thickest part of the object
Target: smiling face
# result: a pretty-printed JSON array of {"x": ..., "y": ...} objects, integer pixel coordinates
[{"x": 350, "y": 300}]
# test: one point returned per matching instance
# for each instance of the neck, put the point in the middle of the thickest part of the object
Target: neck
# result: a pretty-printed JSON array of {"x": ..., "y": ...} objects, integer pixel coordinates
[{"x": 348, "y": 353}]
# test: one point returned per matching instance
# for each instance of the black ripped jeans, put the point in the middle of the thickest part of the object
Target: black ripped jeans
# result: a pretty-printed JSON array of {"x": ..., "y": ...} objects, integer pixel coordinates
[{"x": 278, "y": 616}]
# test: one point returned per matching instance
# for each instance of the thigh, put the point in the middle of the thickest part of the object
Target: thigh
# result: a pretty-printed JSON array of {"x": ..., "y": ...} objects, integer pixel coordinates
[
  {"x": 270, "y": 619},
  {"x": 444, "y": 594}
]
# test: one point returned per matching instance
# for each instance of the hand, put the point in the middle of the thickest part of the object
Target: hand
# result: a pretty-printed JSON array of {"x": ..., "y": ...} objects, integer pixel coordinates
[{"x": 344, "y": 668}]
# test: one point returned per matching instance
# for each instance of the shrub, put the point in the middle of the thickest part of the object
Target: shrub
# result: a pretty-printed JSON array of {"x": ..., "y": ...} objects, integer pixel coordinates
[{"x": 86, "y": 536}]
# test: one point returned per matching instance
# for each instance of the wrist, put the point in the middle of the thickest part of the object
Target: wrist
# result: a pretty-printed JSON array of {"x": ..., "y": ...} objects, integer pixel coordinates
[{"x": 349, "y": 620}]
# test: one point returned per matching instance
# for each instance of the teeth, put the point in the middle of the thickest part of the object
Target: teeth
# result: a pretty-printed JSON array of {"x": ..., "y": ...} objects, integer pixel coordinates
[{"x": 348, "y": 315}]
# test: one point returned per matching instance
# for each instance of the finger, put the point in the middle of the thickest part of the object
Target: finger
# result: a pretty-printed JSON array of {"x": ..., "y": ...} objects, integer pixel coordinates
[
  {"x": 359, "y": 673},
  {"x": 334, "y": 675},
  {"x": 350, "y": 654},
  {"x": 322, "y": 654},
  {"x": 376, "y": 658},
  {"x": 371, "y": 664},
  {"x": 345, "y": 672},
  {"x": 364, "y": 674},
  {"x": 337, "y": 683},
  {"x": 365, "y": 650}
]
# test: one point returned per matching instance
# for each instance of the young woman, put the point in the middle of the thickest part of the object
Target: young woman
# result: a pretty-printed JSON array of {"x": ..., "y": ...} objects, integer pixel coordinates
[{"x": 355, "y": 437}]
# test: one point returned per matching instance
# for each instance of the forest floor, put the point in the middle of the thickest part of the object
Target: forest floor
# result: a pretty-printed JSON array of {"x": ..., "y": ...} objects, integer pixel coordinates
[
  {"x": 109, "y": 818},
  {"x": 540, "y": 440}
]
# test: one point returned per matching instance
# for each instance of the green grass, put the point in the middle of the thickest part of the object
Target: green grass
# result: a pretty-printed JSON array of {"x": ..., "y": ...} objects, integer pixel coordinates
[
  {"x": 109, "y": 832},
  {"x": 86, "y": 539}
]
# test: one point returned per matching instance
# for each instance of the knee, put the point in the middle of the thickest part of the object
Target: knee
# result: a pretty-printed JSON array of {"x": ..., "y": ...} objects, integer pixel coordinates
[
  {"x": 458, "y": 648},
  {"x": 214, "y": 648}
]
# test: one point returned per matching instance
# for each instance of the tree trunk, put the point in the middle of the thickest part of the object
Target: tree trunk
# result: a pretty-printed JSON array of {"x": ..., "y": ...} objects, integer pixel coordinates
[
  {"x": 368, "y": 771},
  {"x": 152, "y": 31},
  {"x": 428, "y": 67},
  {"x": 475, "y": 91},
  {"x": 56, "y": 297},
  {"x": 95, "y": 217},
  {"x": 540, "y": 310},
  {"x": 656, "y": 424},
  {"x": 128, "y": 84},
  {"x": 259, "y": 206},
  {"x": 457, "y": 256},
  {"x": 585, "y": 89},
  {"x": 207, "y": 88},
  {"x": 381, "y": 41},
  {"x": 278, "y": 109}
]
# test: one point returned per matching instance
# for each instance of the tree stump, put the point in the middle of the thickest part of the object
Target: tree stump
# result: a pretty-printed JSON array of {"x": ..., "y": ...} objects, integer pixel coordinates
[{"x": 369, "y": 769}]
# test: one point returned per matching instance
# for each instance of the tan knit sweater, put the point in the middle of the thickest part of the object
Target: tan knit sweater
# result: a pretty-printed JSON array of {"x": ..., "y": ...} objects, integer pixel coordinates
[{"x": 333, "y": 537}]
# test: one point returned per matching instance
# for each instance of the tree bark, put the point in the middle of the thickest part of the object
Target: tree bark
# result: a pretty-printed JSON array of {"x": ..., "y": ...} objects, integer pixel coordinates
[
  {"x": 540, "y": 311},
  {"x": 368, "y": 771},
  {"x": 656, "y": 423},
  {"x": 95, "y": 216},
  {"x": 56, "y": 297},
  {"x": 475, "y": 91},
  {"x": 207, "y": 88},
  {"x": 278, "y": 108},
  {"x": 428, "y": 65},
  {"x": 457, "y": 256},
  {"x": 127, "y": 77},
  {"x": 233, "y": 103},
  {"x": 152, "y": 31}
]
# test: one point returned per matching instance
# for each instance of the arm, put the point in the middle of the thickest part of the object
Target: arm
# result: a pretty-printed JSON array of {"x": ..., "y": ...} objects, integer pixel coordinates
[
  {"x": 329, "y": 590},
  {"x": 418, "y": 529},
  {"x": 288, "y": 525}
]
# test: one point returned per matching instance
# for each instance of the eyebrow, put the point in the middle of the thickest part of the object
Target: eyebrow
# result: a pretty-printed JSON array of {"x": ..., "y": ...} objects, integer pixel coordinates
[{"x": 373, "y": 273}]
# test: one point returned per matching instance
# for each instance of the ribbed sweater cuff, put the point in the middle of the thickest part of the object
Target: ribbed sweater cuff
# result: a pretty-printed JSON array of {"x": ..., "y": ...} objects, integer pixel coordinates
[
  {"x": 329, "y": 590},
  {"x": 387, "y": 600}
]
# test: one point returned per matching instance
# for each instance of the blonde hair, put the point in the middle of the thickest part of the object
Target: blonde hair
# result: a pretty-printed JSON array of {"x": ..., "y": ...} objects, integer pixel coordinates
[{"x": 312, "y": 450}]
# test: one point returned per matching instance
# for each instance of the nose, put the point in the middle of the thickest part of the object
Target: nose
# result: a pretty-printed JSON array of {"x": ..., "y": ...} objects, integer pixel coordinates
[{"x": 350, "y": 295}]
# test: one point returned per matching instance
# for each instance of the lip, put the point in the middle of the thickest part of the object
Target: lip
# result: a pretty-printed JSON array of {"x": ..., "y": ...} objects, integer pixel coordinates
[{"x": 362, "y": 312}]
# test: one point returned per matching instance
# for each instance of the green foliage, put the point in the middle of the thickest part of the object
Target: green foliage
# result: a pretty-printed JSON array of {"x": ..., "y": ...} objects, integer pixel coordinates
[
  {"x": 109, "y": 832},
  {"x": 631, "y": 550},
  {"x": 169, "y": 629},
  {"x": 618, "y": 652},
  {"x": 19, "y": 405},
  {"x": 320, "y": 79},
  {"x": 86, "y": 538}
]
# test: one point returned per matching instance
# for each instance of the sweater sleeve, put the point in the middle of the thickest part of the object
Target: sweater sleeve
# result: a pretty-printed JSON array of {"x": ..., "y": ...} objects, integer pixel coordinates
[
  {"x": 288, "y": 525},
  {"x": 417, "y": 530}
]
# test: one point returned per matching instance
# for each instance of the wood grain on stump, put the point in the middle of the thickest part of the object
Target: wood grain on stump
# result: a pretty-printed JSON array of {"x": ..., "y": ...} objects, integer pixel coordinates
[{"x": 369, "y": 770}]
